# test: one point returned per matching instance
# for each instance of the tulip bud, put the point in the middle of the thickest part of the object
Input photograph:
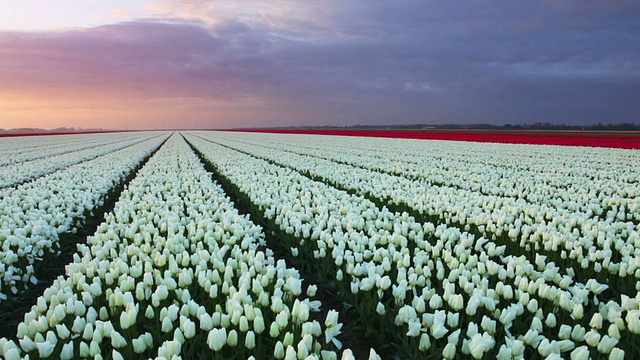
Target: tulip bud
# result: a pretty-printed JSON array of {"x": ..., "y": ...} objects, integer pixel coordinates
[
  {"x": 551, "y": 320},
  {"x": 84, "y": 350},
  {"x": 94, "y": 349},
  {"x": 232, "y": 339},
  {"x": 288, "y": 339},
  {"x": 117, "y": 341},
  {"x": 278, "y": 351},
  {"x": 614, "y": 331},
  {"x": 303, "y": 351},
  {"x": 188, "y": 328},
  {"x": 167, "y": 325},
  {"x": 258, "y": 324},
  {"x": 449, "y": 351},
  {"x": 274, "y": 331},
  {"x": 578, "y": 311},
  {"x": 67, "y": 351},
  {"x": 244, "y": 324},
  {"x": 206, "y": 322},
  {"x": 290, "y": 353},
  {"x": 530, "y": 337},
  {"x": 104, "y": 314},
  {"x": 380, "y": 309},
  {"x": 596, "y": 321},
  {"x": 115, "y": 355},
  {"x": 565, "y": 332},
  {"x": 62, "y": 331},
  {"x": 565, "y": 345},
  {"x": 616, "y": 354},
  {"x": 250, "y": 340},
  {"x": 138, "y": 345}
]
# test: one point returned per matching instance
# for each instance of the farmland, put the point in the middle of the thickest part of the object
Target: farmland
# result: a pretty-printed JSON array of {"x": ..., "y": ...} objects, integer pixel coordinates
[
  {"x": 218, "y": 245},
  {"x": 608, "y": 139}
]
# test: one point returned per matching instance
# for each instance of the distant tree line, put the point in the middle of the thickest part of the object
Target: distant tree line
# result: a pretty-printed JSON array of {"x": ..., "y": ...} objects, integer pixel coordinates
[
  {"x": 535, "y": 126},
  {"x": 594, "y": 127}
]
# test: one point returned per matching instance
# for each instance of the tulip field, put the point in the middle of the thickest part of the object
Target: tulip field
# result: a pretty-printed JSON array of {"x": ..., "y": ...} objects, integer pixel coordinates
[{"x": 239, "y": 245}]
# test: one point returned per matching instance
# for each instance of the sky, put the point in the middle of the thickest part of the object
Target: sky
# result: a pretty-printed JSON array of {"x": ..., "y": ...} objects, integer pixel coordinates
[{"x": 126, "y": 64}]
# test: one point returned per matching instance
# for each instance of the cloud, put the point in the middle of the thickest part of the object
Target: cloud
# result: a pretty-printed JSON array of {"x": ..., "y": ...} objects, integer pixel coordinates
[
  {"x": 618, "y": 7},
  {"x": 120, "y": 14},
  {"x": 342, "y": 62}
]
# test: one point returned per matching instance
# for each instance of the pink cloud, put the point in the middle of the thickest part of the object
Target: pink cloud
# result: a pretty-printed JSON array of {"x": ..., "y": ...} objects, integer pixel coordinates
[{"x": 142, "y": 60}]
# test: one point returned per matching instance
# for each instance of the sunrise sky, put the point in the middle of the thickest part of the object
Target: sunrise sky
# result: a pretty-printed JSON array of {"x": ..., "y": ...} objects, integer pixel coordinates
[{"x": 213, "y": 64}]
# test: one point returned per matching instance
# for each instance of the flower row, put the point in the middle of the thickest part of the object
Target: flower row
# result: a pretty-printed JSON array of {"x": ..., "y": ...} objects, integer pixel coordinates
[
  {"x": 17, "y": 173},
  {"x": 472, "y": 166},
  {"x": 20, "y": 149},
  {"x": 594, "y": 179},
  {"x": 34, "y": 214}
]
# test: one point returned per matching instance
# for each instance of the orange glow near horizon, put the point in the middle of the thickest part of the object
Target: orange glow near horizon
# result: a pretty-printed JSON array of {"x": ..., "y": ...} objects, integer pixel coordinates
[{"x": 118, "y": 113}]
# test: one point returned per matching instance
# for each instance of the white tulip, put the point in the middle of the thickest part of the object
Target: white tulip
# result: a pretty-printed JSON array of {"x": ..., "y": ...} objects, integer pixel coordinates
[
  {"x": 139, "y": 345},
  {"x": 449, "y": 351},
  {"x": 580, "y": 353},
  {"x": 332, "y": 328},
  {"x": 278, "y": 351},
  {"x": 592, "y": 338},
  {"x": 206, "y": 323},
  {"x": 435, "y": 302},
  {"x": 606, "y": 344},
  {"x": 67, "y": 351},
  {"x": 84, "y": 350},
  {"x": 216, "y": 339},
  {"x": 564, "y": 332},
  {"x": 45, "y": 349},
  {"x": 614, "y": 332},
  {"x": 26, "y": 343},
  {"x": 578, "y": 333},
  {"x": 633, "y": 320},
  {"x": 188, "y": 328},
  {"x": 117, "y": 340},
  {"x": 115, "y": 355},
  {"x": 480, "y": 344},
  {"x": 232, "y": 338},
  {"x": 380, "y": 309},
  {"x": 94, "y": 348},
  {"x": 577, "y": 312},
  {"x": 531, "y": 337},
  {"x": 414, "y": 328},
  {"x": 616, "y": 354},
  {"x": 258, "y": 325},
  {"x": 167, "y": 325},
  {"x": 596, "y": 321}
]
